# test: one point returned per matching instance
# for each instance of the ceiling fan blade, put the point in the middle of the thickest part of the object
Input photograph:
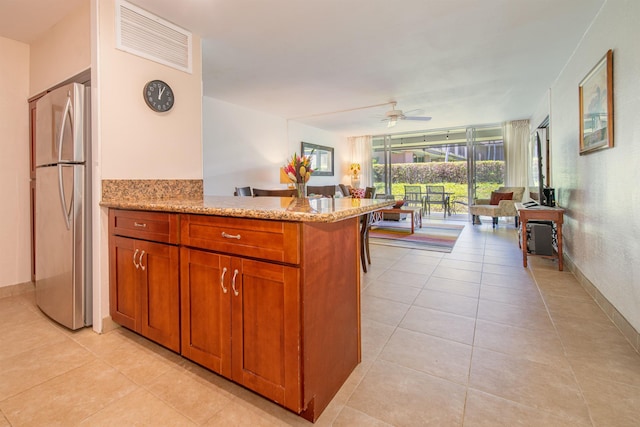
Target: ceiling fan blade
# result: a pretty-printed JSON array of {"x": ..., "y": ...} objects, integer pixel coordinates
[{"x": 424, "y": 119}]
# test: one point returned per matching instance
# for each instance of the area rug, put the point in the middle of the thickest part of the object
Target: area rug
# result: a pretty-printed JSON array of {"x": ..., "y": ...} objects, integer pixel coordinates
[{"x": 431, "y": 237}]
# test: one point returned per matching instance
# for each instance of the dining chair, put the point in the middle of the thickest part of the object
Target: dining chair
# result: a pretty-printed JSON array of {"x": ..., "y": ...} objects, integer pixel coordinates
[
  {"x": 257, "y": 192},
  {"x": 365, "y": 225}
]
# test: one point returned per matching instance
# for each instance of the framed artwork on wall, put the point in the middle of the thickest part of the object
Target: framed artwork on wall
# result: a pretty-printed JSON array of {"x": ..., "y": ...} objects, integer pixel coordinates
[
  {"x": 321, "y": 158},
  {"x": 596, "y": 106}
]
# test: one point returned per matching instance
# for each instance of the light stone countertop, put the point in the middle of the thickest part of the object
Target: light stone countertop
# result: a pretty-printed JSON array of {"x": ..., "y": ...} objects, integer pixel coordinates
[{"x": 276, "y": 208}]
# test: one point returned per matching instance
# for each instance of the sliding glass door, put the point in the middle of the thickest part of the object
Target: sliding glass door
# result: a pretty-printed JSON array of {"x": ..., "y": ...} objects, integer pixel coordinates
[{"x": 466, "y": 161}]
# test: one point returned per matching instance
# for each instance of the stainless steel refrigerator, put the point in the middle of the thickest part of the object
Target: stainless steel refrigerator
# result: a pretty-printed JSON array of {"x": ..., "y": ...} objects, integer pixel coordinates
[{"x": 62, "y": 206}]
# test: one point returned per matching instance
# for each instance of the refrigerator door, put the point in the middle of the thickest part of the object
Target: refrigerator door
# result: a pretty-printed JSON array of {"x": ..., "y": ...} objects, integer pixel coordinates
[
  {"x": 59, "y": 126},
  {"x": 60, "y": 243}
]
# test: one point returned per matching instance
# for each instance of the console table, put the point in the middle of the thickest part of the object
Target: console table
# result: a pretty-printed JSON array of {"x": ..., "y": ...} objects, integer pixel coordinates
[{"x": 540, "y": 213}]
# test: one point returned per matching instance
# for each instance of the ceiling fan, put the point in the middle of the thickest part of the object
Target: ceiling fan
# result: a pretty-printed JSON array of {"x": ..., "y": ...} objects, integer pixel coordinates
[{"x": 392, "y": 116}]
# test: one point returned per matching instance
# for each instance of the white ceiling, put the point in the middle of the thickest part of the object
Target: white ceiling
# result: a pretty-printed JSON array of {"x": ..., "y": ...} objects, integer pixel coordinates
[{"x": 460, "y": 61}]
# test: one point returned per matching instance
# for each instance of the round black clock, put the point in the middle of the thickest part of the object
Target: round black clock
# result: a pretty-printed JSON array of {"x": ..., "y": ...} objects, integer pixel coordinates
[{"x": 158, "y": 95}]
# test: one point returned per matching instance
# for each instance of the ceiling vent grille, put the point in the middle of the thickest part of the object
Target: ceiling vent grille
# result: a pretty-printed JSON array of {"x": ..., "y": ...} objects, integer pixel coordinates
[{"x": 144, "y": 34}]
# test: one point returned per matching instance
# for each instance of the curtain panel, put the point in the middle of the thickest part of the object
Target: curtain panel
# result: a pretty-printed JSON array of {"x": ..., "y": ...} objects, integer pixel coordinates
[
  {"x": 516, "y": 134},
  {"x": 361, "y": 153}
]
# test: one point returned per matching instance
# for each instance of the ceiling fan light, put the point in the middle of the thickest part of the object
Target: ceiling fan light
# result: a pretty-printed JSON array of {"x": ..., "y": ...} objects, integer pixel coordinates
[{"x": 392, "y": 122}]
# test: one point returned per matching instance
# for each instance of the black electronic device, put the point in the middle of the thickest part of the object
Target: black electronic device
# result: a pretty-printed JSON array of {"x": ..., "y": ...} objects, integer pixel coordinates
[
  {"x": 540, "y": 238},
  {"x": 549, "y": 197}
]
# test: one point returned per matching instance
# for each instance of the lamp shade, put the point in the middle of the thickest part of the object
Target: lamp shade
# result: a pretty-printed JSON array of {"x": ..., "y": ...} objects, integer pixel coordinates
[{"x": 284, "y": 178}]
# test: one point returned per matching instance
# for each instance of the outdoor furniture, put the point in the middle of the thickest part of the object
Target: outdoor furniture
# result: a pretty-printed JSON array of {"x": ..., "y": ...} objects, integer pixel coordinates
[
  {"x": 498, "y": 205},
  {"x": 413, "y": 196},
  {"x": 436, "y": 196}
]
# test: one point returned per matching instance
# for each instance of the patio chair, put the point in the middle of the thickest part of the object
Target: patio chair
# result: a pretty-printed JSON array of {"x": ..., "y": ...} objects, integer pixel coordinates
[
  {"x": 413, "y": 196},
  {"x": 437, "y": 196}
]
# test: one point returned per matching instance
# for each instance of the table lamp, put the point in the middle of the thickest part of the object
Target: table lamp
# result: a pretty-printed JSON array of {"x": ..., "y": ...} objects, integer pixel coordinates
[{"x": 284, "y": 179}]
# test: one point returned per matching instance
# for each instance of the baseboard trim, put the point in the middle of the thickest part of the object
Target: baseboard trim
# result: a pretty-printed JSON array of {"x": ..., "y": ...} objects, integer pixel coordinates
[
  {"x": 17, "y": 289},
  {"x": 628, "y": 331}
]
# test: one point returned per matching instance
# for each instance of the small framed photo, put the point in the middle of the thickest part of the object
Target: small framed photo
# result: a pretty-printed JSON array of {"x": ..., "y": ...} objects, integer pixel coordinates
[{"x": 596, "y": 106}]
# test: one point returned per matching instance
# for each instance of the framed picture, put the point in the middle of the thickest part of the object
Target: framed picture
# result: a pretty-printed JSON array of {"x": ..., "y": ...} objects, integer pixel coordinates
[
  {"x": 596, "y": 106},
  {"x": 321, "y": 158}
]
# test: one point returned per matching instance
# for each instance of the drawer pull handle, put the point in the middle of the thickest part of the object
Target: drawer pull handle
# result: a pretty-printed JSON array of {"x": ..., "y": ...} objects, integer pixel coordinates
[
  {"x": 140, "y": 259},
  {"x": 233, "y": 282},
  {"x": 224, "y": 271},
  {"x": 230, "y": 236},
  {"x": 140, "y": 224},
  {"x": 134, "y": 259}
]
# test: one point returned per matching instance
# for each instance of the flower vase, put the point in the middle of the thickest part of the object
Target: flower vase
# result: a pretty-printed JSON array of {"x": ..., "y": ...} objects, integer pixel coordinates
[{"x": 301, "y": 190}]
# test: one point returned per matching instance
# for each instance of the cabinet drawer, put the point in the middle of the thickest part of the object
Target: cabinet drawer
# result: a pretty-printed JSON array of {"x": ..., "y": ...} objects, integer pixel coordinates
[
  {"x": 155, "y": 226},
  {"x": 255, "y": 238}
]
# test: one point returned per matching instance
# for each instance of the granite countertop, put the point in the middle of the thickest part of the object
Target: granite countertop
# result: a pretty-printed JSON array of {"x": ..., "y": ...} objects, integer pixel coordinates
[{"x": 276, "y": 208}]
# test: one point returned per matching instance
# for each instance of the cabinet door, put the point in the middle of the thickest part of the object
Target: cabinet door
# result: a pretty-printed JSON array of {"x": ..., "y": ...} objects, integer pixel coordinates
[
  {"x": 124, "y": 303},
  {"x": 265, "y": 303},
  {"x": 160, "y": 293},
  {"x": 205, "y": 290}
]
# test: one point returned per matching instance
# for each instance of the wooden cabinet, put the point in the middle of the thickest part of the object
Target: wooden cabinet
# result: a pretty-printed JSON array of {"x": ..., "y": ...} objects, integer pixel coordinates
[
  {"x": 144, "y": 291},
  {"x": 272, "y": 305},
  {"x": 241, "y": 318}
]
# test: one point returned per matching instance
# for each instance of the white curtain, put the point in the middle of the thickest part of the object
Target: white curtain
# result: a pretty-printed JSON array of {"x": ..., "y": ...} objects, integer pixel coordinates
[
  {"x": 361, "y": 153},
  {"x": 516, "y": 147}
]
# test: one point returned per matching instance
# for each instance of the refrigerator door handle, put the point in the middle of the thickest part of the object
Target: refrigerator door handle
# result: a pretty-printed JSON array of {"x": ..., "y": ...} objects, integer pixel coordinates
[
  {"x": 63, "y": 201},
  {"x": 67, "y": 113}
]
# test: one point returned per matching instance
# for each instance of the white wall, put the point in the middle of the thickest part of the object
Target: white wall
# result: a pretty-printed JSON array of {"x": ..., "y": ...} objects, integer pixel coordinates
[
  {"x": 15, "y": 232},
  {"x": 130, "y": 140},
  {"x": 244, "y": 147},
  {"x": 137, "y": 143},
  {"x": 62, "y": 51},
  {"x": 600, "y": 190}
]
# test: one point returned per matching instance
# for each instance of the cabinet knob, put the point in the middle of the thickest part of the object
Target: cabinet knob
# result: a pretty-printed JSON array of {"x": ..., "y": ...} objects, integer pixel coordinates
[
  {"x": 140, "y": 259},
  {"x": 140, "y": 224}
]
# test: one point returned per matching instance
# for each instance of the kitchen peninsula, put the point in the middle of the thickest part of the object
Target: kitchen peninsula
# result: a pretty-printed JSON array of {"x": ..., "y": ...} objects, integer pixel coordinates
[{"x": 263, "y": 291}]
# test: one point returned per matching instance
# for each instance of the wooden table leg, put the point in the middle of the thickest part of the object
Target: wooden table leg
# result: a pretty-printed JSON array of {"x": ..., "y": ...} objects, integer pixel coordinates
[
  {"x": 559, "y": 238},
  {"x": 412, "y": 213},
  {"x": 523, "y": 238}
]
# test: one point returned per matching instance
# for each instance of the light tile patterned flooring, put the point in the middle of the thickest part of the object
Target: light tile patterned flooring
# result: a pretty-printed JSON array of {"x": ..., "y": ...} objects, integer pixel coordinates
[{"x": 461, "y": 339}]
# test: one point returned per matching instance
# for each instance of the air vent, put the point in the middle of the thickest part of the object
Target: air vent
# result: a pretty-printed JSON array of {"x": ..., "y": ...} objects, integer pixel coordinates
[{"x": 144, "y": 34}]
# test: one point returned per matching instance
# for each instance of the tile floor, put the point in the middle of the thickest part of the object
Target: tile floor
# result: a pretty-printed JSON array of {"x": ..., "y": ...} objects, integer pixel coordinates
[{"x": 461, "y": 339}]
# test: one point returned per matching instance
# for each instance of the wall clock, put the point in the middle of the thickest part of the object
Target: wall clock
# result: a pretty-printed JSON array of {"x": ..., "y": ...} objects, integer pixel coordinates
[{"x": 158, "y": 95}]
